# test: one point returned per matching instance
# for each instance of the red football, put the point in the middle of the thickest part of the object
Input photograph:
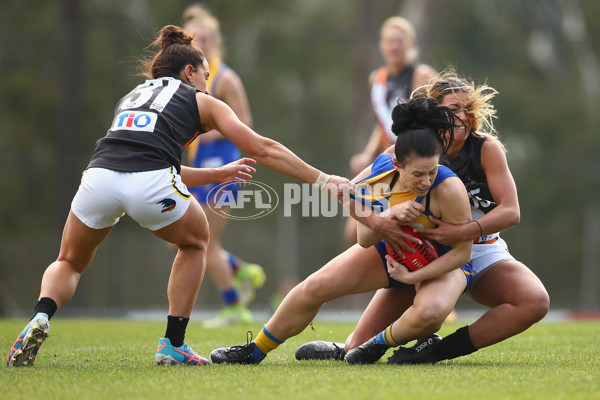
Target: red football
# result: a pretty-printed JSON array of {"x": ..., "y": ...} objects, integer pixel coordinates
[{"x": 423, "y": 255}]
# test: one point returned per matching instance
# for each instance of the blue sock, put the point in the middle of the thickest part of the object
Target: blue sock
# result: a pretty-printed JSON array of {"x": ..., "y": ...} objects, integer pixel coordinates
[
  {"x": 230, "y": 296},
  {"x": 385, "y": 337},
  {"x": 234, "y": 262},
  {"x": 257, "y": 353},
  {"x": 379, "y": 339}
]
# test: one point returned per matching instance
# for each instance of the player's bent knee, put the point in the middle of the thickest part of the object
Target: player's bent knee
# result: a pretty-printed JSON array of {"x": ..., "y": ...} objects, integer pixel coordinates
[
  {"x": 315, "y": 290},
  {"x": 538, "y": 305},
  {"x": 431, "y": 315}
]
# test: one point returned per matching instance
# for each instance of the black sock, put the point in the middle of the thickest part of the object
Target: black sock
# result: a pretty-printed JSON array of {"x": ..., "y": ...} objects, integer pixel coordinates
[
  {"x": 176, "y": 330},
  {"x": 47, "y": 306},
  {"x": 454, "y": 345}
]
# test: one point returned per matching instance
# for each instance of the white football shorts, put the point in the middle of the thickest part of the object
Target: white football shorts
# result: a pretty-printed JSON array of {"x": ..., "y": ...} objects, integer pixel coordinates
[
  {"x": 154, "y": 199},
  {"x": 485, "y": 256}
]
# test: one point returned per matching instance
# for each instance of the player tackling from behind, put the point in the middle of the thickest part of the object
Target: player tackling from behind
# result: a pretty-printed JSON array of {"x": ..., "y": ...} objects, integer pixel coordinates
[
  {"x": 515, "y": 295},
  {"x": 409, "y": 183}
]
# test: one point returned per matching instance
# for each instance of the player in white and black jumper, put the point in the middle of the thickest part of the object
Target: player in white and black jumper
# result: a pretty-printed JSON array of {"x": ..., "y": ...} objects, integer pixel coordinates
[{"x": 136, "y": 170}]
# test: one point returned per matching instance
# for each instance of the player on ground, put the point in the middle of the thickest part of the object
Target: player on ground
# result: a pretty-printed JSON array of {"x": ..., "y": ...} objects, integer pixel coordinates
[
  {"x": 516, "y": 297},
  {"x": 410, "y": 182}
]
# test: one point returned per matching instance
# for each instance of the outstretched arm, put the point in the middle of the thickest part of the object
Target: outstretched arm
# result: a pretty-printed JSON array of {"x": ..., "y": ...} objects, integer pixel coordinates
[
  {"x": 236, "y": 171},
  {"x": 217, "y": 115}
]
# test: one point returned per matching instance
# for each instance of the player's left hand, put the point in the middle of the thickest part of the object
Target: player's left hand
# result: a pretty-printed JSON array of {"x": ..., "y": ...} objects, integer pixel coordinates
[
  {"x": 405, "y": 212},
  {"x": 399, "y": 272},
  {"x": 236, "y": 171}
]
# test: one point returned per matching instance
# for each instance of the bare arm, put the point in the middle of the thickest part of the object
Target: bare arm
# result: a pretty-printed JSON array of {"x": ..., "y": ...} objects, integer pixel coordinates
[
  {"x": 236, "y": 171},
  {"x": 230, "y": 90},
  {"x": 215, "y": 114},
  {"x": 405, "y": 213},
  {"x": 503, "y": 189},
  {"x": 453, "y": 203},
  {"x": 379, "y": 227}
]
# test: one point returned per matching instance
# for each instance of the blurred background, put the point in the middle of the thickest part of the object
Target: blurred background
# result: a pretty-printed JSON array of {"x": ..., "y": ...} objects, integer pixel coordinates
[{"x": 304, "y": 64}]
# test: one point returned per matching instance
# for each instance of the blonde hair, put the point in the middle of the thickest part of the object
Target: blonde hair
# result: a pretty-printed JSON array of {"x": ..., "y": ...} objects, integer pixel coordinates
[
  {"x": 403, "y": 24},
  {"x": 197, "y": 15},
  {"x": 479, "y": 106}
]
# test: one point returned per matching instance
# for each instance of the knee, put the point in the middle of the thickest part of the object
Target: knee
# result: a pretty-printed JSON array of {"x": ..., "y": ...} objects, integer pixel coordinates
[
  {"x": 314, "y": 290},
  {"x": 431, "y": 315},
  {"x": 200, "y": 240},
  {"x": 536, "y": 306}
]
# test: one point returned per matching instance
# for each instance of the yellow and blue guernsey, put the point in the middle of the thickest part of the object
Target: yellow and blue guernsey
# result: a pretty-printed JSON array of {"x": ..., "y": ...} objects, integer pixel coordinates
[
  {"x": 216, "y": 153},
  {"x": 380, "y": 200}
]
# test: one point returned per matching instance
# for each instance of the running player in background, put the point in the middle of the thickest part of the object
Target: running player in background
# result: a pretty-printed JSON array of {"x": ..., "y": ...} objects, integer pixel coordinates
[
  {"x": 236, "y": 280},
  {"x": 389, "y": 84}
]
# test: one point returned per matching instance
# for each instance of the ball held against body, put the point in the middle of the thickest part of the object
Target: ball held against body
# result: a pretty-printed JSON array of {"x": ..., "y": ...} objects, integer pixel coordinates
[{"x": 425, "y": 252}]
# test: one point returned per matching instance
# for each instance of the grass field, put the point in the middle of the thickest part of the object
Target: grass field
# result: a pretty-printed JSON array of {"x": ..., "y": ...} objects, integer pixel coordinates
[{"x": 114, "y": 359}]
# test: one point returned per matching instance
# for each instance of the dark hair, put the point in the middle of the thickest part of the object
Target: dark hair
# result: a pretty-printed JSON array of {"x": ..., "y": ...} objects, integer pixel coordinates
[
  {"x": 423, "y": 127},
  {"x": 176, "y": 51}
]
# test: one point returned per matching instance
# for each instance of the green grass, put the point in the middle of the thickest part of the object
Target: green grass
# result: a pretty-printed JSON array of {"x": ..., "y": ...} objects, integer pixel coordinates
[{"x": 114, "y": 359}]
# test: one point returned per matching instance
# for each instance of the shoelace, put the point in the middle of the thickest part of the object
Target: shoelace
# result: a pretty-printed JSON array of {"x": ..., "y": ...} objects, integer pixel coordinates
[
  {"x": 249, "y": 337},
  {"x": 337, "y": 349}
]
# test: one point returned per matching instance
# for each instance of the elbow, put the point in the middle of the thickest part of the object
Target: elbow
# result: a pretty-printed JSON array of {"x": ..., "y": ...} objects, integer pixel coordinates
[
  {"x": 259, "y": 150},
  {"x": 513, "y": 218},
  {"x": 364, "y": 243},
  {"x": 516, "y": 217}
]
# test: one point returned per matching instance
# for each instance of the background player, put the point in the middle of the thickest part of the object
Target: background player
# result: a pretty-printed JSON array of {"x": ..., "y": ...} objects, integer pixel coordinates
[
  {"x": 394, "y": 81},
  {"x": 236, "y": 280}
]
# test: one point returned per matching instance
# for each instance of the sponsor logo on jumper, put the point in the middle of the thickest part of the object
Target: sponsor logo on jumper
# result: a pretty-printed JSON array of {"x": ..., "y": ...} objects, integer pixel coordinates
[{"x": 135, "y": 121}]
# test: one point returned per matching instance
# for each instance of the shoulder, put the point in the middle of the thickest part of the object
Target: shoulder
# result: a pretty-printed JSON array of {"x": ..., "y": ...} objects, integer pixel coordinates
[
  {"x": 383, "y": 162},
  {"x": 423, "y": 74},
  {"x": 491, "y": 144},
  {"x": 208, "y": 105},
  {"x": 444, "y": 172},
  {"x": 229, "y": 81},
  {"x": 491, "y": 148},
  {"x": 493, "y": 157}
]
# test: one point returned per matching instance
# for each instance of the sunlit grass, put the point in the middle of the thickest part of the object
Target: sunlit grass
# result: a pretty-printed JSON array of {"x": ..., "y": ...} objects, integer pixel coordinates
[{"x": 114, "y": 359}]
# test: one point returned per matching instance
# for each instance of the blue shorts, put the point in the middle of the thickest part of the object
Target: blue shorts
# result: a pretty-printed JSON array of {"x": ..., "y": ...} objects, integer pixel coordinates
[
  {"x": 213, "y": 155},
  {"x": 467, "y": 268}
]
